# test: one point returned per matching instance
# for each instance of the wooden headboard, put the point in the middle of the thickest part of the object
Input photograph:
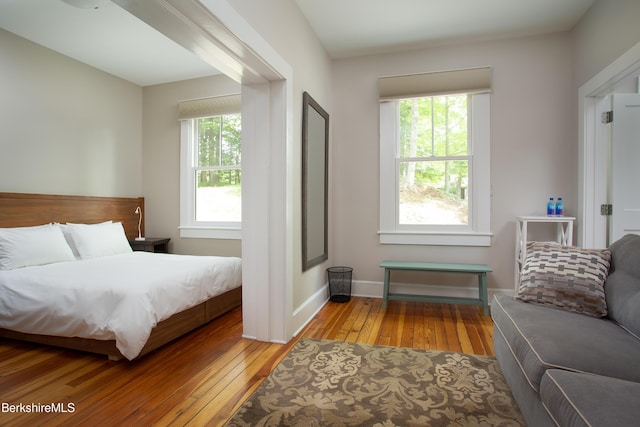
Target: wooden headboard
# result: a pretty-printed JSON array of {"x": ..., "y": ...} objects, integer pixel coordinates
[{"x": 23, "y": 209}]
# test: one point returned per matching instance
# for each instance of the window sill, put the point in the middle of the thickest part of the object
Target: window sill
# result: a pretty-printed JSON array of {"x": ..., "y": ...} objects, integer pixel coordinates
[
  {"x": 229, "y": 233},
  {"x": 435, "y": 238}
]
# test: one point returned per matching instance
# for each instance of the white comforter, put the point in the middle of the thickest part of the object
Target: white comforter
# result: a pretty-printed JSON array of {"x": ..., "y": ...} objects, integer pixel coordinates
[{"x": 119, "y": 297}]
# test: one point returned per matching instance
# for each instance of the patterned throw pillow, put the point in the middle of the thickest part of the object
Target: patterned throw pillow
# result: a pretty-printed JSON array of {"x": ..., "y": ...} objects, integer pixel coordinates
[{"x": 565, "y": 277}]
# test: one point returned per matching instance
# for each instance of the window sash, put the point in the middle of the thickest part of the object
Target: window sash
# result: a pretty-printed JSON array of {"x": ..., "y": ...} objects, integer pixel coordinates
[
  {"x": 222, "y": 149},
  {"x": 431, "y": 134},
  {"x": 426, "y": 227}
]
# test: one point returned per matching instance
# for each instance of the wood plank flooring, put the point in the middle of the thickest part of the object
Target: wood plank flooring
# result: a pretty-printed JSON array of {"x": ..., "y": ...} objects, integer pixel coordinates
[{"x": 203, "y": 377}]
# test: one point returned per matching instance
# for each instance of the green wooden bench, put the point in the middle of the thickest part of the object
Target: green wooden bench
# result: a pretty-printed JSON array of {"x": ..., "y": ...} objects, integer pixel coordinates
[{"x": 480, "y": 270}]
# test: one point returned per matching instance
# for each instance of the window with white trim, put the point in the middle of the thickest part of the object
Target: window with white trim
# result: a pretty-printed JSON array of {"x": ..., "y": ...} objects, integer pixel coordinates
[
  {"x": 211, "y": 173},
  {"x": 435, "y": 169}
]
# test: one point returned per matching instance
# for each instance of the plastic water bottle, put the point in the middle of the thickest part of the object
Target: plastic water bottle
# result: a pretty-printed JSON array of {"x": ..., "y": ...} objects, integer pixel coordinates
[
  {"x": 551, "y": 207},
  {"x": 560, "y": 207}
]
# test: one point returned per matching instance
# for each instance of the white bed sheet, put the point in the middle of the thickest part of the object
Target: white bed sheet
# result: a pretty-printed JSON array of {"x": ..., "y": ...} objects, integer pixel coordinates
[{"x": 119, "y": 297}]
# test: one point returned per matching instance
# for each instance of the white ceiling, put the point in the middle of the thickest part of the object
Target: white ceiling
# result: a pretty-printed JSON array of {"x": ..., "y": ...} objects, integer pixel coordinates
[
  {"x": 357, "y": 27},
  {"x": 110, "y": 39}
]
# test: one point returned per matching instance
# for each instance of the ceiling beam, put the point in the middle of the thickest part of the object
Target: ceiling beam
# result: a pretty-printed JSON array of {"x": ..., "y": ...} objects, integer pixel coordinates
[{"x": 193, "y": 26}]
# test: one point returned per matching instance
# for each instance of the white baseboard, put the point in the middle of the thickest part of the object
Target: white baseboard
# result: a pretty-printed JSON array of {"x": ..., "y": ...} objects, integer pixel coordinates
[{"x": 307, "y": 310}]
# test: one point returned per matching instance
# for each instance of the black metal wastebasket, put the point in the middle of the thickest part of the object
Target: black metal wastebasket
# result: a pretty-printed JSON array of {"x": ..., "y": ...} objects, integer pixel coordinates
[{"x": 339, "y": 283}]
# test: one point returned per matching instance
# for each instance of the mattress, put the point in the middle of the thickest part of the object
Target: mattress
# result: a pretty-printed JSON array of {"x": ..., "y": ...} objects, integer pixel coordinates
[{"x": 119, "y": 297}]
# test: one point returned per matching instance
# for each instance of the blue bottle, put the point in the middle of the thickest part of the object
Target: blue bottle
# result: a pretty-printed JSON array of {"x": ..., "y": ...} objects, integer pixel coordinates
[
  {"x": 551, "y": 207},
  {"x": 560, "y": 207}
]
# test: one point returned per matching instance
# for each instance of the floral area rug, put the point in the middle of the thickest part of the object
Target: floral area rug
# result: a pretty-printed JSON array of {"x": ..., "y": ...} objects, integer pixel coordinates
[{"x": 334, "y": 383}]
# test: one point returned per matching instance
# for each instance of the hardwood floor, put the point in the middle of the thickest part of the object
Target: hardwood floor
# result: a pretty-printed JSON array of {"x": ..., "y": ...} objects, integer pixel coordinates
[{"x": 203, "y": 377}]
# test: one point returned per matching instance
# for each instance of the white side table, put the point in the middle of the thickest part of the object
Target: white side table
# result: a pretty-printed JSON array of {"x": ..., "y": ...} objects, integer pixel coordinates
[{"x": 564, "y": 236}]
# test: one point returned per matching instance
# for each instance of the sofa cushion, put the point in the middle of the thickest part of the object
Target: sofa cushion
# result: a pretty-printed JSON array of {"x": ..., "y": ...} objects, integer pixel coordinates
[
  {"x": 574, "y": 399},
  {"x": 542, "y": 338},
  {"x": 565, "y": 277},
  {"x": 623, "y": 284}
]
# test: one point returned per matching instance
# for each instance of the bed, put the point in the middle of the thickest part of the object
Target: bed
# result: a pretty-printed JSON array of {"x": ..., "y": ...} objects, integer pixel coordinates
[{"x": 101, "y": 297}]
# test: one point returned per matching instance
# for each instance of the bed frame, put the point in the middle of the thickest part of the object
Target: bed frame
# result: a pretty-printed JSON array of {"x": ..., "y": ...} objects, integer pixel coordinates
[{"x": 22, "y": 210}]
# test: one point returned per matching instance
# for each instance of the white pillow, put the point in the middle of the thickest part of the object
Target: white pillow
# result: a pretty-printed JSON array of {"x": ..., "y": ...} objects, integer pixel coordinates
[
  {"x": 97, "y": 240},
  {"x": 67, "y": 236},
  {"x": 28, "y": 246}
]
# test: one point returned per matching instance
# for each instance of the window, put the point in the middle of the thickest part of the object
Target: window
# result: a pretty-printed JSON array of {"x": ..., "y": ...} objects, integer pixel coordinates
[
  {"x": 434, "y": 170},
  {"x": 211, "y": 174}
]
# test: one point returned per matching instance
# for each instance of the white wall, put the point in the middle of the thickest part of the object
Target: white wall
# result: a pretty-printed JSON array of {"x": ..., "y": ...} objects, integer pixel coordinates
[
  {"x": 607, "y": 30},
  {"x": 66, "y": 128},
  {"x": 161, "y": 161},
  {"x": 281, "y": 24},
  {"x": 532, "y": 153}
]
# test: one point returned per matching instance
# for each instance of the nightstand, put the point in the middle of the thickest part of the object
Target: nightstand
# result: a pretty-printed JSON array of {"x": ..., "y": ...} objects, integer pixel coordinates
[{"x": 151, "y": 244}]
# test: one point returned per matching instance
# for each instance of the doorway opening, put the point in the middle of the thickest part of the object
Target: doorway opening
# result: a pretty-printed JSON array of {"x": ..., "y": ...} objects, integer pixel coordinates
[
  {"x": 219, "y": 35},
  {"x": 592, "y": 149}
]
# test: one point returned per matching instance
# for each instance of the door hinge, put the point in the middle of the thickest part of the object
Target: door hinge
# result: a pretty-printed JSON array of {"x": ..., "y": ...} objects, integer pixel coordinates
[
  {"x": 607, "y": 117},
  {"x": 606, "y": 210}
]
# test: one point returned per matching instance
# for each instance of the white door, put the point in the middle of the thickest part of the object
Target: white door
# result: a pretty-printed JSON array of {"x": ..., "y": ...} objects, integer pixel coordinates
[{"x": 624, "y": 186}]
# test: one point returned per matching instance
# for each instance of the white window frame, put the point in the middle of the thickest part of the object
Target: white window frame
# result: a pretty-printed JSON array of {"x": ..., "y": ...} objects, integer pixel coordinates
[
  {"x": 478, "y": 233},
  {"x": 189, "y": 227}
]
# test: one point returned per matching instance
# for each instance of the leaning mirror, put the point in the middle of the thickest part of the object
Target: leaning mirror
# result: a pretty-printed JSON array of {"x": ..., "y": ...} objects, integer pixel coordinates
[{"x": 315, "y": 141}]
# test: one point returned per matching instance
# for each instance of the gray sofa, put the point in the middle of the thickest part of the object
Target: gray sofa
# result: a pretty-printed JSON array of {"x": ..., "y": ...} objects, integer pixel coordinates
[{"x": 571, "y": 369}]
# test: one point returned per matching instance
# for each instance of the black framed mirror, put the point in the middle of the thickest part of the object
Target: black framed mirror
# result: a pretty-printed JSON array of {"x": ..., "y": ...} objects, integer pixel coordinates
[{"x": 315, "y": 179}]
